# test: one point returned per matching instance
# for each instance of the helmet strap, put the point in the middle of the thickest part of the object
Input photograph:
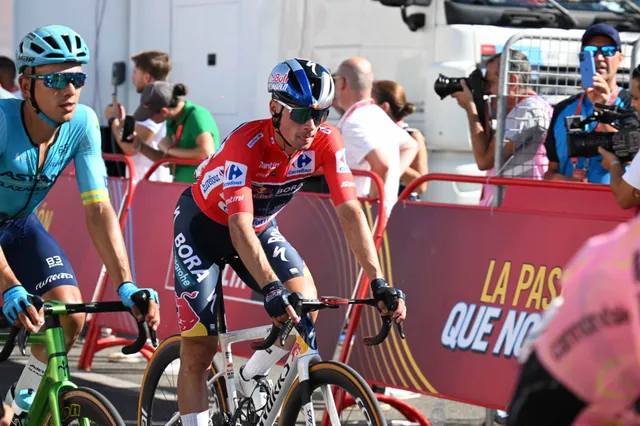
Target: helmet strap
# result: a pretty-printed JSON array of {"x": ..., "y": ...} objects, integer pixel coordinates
[
  {"x": 275, "y": 119},
  {"x": 41, "y": 114}
]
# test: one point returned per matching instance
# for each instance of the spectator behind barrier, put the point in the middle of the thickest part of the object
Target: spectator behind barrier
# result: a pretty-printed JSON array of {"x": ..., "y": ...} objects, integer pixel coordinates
[
  {"x": 390, "y": 96},
  {"x": 605, "y": 90},
  {"x": 625, "y": 186},
  {"x": 192, "y": 132},
  {"x": 372, "y": 140},
  {"x": 528, "y": 119},
  {"x": 149, "y": 66},
  {"x": 8, "y": 75}
]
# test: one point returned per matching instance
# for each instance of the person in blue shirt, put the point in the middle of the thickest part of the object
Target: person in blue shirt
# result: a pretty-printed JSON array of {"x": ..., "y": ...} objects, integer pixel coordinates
[
  {"x": 604, "y": 41},
  {"x": 38, "y": 138}
]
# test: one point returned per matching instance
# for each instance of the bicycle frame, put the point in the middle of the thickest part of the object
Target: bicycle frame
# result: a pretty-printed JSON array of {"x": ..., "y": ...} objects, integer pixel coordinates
[
  {"x": 303, "y": 354},
  {"x": 56, "y": 377}
]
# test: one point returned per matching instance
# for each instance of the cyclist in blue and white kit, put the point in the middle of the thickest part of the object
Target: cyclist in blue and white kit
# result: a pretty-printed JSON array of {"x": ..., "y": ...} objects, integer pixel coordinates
[{"x": 38, "y": 138}]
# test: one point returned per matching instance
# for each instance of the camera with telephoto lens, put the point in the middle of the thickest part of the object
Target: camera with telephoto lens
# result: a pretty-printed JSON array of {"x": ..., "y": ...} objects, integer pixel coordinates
[
  {"x": 624, "y": 144},
  {"x": 446, "y": 86}
]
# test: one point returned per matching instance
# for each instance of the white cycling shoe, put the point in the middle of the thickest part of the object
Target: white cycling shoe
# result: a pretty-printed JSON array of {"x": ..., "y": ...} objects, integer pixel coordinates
[{"x": 258, "y": 388}]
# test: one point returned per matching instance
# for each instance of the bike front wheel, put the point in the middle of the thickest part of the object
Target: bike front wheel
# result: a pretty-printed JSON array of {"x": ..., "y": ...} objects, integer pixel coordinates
[
  {"x": 85, "y": 403},
  {"x": 324, "y": 376}
]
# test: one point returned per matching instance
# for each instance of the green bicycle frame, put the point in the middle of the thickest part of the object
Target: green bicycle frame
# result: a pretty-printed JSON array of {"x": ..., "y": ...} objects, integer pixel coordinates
[{"x": 56, "y": 376}]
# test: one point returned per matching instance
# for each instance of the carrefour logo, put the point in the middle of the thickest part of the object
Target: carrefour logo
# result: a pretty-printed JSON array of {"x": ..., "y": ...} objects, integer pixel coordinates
[
  {"x": 304, "y": 164},
  {"x": 235, "y": 174}
]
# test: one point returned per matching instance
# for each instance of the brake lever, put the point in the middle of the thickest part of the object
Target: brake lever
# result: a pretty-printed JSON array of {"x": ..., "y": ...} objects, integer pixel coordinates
[{"x": 23, "y": 337}]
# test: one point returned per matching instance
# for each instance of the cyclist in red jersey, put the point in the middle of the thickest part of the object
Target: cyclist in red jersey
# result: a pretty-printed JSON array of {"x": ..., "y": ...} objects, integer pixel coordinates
[{"x": 228, "y": 215}]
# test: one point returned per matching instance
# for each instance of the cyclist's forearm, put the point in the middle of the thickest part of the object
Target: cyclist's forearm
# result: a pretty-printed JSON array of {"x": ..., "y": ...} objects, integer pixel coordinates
[
  {"x": 250, "y": 250},
  {"x": 359, "y": 237},
  {"x": 7, "y": 277},
  {"x": 107, "y": 238}
]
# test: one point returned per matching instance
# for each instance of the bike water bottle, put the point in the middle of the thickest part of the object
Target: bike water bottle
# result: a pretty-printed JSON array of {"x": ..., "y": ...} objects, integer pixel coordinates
[{"x": 22, "y": 403}]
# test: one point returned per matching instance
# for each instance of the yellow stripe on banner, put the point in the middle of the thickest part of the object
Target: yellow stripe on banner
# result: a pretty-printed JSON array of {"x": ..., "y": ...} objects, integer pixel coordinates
[
  {"x": 405, "y": 346},
  {"x": 387, "y": 273},
  {"x": 364, "y": 327}
]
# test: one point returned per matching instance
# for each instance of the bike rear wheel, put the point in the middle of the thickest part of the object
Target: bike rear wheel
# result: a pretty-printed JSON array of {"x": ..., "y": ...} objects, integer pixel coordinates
[
  {"x": 158, "y": 403},
  {"x": 325, "y": 376},
  {"x": 86, "y": 403}
]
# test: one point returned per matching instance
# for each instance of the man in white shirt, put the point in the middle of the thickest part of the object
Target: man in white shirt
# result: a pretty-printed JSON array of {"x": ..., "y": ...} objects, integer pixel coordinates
[
  {"x": 372, "y": 140},
  {"x": 149, "y": 66}
]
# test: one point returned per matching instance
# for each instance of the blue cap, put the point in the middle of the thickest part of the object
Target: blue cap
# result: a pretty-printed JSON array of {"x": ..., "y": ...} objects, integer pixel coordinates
[{"x": 602, "y": 29}]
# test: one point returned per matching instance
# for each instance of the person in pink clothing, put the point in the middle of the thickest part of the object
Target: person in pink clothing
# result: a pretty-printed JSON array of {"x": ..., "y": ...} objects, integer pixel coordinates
[{"x": 581, "y": 363}]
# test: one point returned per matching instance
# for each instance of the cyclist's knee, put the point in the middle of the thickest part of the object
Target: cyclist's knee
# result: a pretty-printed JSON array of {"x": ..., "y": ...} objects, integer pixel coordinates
[
  {"x": 196, "y": 354},
  {"x": 71, "y": 324}
]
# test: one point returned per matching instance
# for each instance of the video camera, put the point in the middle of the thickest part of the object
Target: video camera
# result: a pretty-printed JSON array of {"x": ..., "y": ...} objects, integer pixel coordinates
[
  {"x": 445, "y": 86},
  {"x": 625, "y": 143}
]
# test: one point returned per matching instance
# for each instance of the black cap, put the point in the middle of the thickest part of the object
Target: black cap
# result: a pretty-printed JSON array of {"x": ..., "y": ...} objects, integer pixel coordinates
[{"x": 602, "y": 29}]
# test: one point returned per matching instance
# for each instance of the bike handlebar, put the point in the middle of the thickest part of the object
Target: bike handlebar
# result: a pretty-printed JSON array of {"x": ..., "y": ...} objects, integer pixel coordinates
[
  {"x": 140, "y": 299},
  {"x": 306, "y": 306}
]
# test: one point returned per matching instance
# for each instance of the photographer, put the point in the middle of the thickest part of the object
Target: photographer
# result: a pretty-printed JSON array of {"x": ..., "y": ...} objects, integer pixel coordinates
[
  {"x": 625, "y": 186},
  {"x": 605, "y": 40},
  {"x": 192, "y": 132},
  {"x": 526, "y": 124}
]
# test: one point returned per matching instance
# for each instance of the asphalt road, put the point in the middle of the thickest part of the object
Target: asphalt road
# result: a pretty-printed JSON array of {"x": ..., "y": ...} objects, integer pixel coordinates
[{"x": 120, "y": 383}]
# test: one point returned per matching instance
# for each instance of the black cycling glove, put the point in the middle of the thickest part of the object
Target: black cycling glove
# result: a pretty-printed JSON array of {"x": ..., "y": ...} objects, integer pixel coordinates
[
  {"x": 276, "y": 299},
  {"x": 385, "y": 294}
]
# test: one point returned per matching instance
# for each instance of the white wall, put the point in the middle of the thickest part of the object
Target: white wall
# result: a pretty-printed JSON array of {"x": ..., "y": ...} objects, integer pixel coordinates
[
  {"x": 110, "y": 45},
  {"x": 6, "y": 28}
]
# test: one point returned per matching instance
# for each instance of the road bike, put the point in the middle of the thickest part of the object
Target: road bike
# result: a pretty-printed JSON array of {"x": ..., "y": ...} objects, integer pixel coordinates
[{"x": 58, "y": 401}]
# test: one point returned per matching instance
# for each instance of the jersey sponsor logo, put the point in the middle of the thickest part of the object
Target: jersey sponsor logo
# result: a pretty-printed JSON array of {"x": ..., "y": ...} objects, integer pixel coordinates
[
  {"x": 341, "y": 162},
  {"x": 325, "y": 130},
  {"x": 24, "y": 177},
  {"x": 348, "y": 184},
  {"x": 54, "y": 261},
  {"x": 234, "y": 199},
  {"x": 269, "y": 166},
  {"x": 259, "y": 221},
  {"x": 235, "y": 174},
  {"x": 255, "y": 139},
  {"x": 53, "y": 277},
  {"x": 289, "y": 189},
  {"x": 211, "y": 180},
  {"x": 304, "y": 164},
  {"x": 262, "y": 192},
  {"x": 223, "y": 206}
]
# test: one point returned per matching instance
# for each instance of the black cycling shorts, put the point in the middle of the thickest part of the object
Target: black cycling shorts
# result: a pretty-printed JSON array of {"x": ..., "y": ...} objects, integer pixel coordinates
[
  {"x": 34, "y": 256},
  {"x": 200, "y": 245},
  {"x": 539, "y": 399}
]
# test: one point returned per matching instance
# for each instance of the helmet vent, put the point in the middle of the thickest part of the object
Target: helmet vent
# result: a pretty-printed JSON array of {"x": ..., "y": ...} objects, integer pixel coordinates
[
  {"x": 36, "y": 48},
  {"x": 51, "y": 42},
  {"x": 67, "y": 41},
  {"x": 54, "y": 55},
  {"x": 78, "y": 43}
]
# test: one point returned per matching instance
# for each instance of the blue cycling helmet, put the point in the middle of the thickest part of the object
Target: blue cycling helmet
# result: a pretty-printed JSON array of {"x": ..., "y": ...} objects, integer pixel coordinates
[
  {"x": 302, "y": 83},
  {"x": 53, "y": 44}
]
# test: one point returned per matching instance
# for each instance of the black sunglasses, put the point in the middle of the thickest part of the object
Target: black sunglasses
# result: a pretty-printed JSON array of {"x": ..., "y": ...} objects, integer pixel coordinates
[{"x": 301, "y": 115}]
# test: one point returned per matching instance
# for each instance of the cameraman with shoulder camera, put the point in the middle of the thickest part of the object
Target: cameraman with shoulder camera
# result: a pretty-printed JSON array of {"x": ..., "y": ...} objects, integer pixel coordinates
[
  {"x": 605, "y": 41},
  {"x": 527, "y": 121},
  {"x": 625, "y": 185}
]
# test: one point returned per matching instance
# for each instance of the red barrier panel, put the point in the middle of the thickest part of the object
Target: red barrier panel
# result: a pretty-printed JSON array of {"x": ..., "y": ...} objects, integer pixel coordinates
[{"x": 477, "y": 279}]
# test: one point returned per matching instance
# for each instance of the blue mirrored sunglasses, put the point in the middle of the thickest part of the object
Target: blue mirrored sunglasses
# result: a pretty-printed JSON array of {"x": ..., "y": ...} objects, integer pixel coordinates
[
  {"x": 606, "y": 51},
  {"x": 60, "y": 80}
]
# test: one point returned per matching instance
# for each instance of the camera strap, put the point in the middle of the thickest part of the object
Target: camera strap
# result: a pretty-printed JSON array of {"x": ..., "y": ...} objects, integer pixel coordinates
[
  {"x": 354, "y": 107},
  {"x": 612, "y": 99}
]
